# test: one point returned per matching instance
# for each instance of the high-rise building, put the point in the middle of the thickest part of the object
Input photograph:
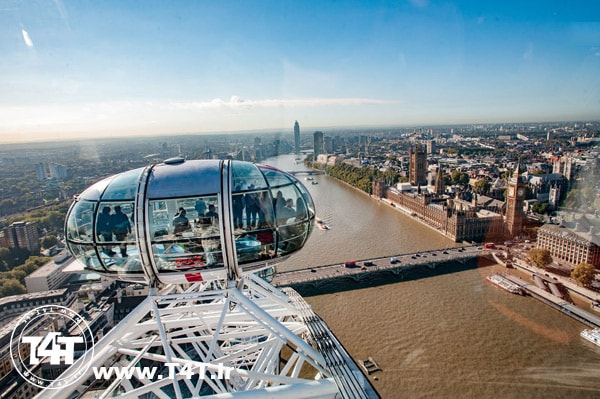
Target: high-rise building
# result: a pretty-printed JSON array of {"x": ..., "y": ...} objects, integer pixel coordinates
[
  {"x": 258, "y": 149},
  {"x": 337, "y": 143},
  {"x": 418, "y": 166},
  {"x": 328, "y": 144},
  {"x": 44, "y": 171},
  {"x": 430, "y": 147},
  {"x": 296, "y": 138},
  {"x": 22, "y": 235},
  {"x": 318, "y": 145},
  {"x": 514, "y": 204}
]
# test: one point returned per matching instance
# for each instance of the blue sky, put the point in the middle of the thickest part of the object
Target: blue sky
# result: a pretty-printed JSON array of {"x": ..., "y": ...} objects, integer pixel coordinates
[{"x": 102, "y": 68}]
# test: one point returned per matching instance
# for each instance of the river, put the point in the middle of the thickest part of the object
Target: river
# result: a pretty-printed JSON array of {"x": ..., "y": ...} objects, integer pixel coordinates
[{"x": 446, "y": 334}]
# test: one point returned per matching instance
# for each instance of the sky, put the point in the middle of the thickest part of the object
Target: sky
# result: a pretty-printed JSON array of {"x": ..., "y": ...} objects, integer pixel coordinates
[{"x": 90, "y": 68}]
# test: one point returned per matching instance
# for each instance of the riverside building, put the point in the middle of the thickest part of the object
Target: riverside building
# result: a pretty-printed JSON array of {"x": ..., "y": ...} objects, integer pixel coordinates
[{"x": 572, "y": 242}]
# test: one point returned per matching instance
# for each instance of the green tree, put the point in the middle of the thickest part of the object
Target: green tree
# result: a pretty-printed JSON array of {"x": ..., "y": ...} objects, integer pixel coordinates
[
  {"x": 482, "y": 186},
  {"x": 49, "y": 241},
  {"x": 10, "y": 287},
  {"x": 540, "y": 208},
  {"x": 15, "y": 274},
  {"x": 459, "y": 178},
  {"x": 33, "y": 263},
  {"x": 540, "y": 257},
  {"x": 7, "y": 206},
  {"x": 4, "y": 257},
  {"x": 584, "y": 274}
]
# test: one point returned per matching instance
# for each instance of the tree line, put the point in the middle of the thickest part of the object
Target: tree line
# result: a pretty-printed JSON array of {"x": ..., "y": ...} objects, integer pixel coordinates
[{"x": 361, "y": 178}]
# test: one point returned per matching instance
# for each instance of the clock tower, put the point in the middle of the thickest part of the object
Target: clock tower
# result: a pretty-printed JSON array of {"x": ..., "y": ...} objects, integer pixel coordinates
[{"x": 515, "y": 197}]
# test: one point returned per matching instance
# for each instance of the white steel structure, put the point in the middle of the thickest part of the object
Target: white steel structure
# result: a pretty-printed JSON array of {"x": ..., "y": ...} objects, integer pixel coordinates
[{"x": 211, "y": 327}]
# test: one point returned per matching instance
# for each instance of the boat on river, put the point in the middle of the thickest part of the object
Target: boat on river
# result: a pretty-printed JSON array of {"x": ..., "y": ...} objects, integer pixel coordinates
[
  {"x": 321, "y": 224},
  {"x": 592, "y": 335},
  {"x": 505, "y": 284}
]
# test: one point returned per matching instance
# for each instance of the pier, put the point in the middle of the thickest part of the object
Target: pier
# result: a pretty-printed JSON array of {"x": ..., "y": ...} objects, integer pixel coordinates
[
  {"x": 361, "y": 269},
  {"x": 555, "y": 301},
  {"x": 550, "y": 291}
]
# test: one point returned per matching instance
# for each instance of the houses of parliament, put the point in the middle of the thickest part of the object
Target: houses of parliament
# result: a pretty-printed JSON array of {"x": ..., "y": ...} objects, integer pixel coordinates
[{"x": 455, "y": 218}]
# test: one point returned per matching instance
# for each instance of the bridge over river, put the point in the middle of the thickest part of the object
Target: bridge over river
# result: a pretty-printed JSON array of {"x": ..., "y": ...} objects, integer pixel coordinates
[
  {"x": 363, "y": 268},
  {"x": 306, "y": 172}
]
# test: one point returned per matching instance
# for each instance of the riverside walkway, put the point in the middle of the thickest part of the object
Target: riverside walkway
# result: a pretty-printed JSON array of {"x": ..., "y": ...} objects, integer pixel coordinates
[{"x": 365, "y": 267}]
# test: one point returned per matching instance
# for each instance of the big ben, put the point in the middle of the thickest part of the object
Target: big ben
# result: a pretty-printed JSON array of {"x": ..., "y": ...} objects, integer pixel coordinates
[{"x": 514, "y": 204}]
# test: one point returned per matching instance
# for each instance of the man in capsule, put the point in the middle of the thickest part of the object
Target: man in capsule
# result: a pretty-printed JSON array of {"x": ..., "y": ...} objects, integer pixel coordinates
[
  {"x": 121, "y": 228},
  {"x": 180, "y": 221}
]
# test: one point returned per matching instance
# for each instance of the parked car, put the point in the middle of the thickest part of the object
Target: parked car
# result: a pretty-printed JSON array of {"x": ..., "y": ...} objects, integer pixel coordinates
[{"x": 394, "y": 260}]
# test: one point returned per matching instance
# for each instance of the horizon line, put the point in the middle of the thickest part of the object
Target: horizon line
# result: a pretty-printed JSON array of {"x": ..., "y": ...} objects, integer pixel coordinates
[{"x": 133, "y": 135}]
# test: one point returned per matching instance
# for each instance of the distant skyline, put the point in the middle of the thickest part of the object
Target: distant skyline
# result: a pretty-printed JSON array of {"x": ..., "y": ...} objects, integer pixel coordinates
[{"x": 75, "y": 69}]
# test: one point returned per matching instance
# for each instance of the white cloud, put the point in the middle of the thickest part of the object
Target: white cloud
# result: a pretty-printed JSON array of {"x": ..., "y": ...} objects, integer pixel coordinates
[
  {"x": 26, "y": 38},
  {"x": 150, "y": 117},
  {"x": 236, "y": 102}
]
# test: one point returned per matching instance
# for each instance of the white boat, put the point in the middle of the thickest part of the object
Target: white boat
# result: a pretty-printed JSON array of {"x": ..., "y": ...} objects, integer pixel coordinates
[
  {"x": 321, "y": 224},
  {"x": 505, "y": 284},
  {"x": 592, "y": 335}
]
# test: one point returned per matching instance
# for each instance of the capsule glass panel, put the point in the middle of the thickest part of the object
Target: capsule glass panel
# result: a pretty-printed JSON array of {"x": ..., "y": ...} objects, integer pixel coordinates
[
  {"x": 123, "y": 186},
  {"x": 87, "y": 255},
  {"x": 256, "y": 239},
  {"x": 185, "y": 233},
  {"x": 246, "y": 176},
  {"x": 291, "y": 217},
  {"x": 94, "y": 192},
  {"x": 80, "y": 222}
]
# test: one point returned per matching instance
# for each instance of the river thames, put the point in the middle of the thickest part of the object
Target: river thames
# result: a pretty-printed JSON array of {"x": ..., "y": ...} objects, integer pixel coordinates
[{"x": 438, "y": 334}]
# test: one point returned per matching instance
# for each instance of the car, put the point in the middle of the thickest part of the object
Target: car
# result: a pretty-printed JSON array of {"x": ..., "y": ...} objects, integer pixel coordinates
[
  {"x": 394, "y": 260},
  {"x": 350, "y": 263},
  {"x": 313, "y": 271},
  {"x": 413, "y": 257},
  {"x": 369, "y": 263},
  {"x": 434, "y": 254},
  {"x": 445, "y": 252}
]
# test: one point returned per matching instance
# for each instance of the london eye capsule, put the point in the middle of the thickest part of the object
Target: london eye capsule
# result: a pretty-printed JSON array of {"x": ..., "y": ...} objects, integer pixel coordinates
[{"x": 185, "y": 221}]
